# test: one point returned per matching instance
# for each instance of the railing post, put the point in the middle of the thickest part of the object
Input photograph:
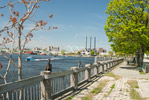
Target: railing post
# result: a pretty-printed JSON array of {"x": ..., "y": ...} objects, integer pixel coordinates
[
  {"x": 96, "y": 60},
  {"x": 74, "y": 78},
  {"x": 96, "y": 69},
  {"x": 112, "y": 63},
  {"x": 108, "y": 63},
  {"x": 120, "y": 60},
  {"x": 102, "y": 64},
  {"x": 46, "y": 86},
  {"x": 99, "y": 65},
  {"x": 116, "y": 62},
  {"x": 96, "y": 66},
  {"x": 88, "y": 72},
  {"x": 106, "y": 66}
]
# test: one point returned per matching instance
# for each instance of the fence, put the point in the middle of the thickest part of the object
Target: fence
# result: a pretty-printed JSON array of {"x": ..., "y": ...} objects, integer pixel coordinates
[{"x": 52, "y": 85}]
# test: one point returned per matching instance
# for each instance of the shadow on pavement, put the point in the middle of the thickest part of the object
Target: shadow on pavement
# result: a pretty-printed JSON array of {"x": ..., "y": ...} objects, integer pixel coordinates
[{"x": 130, "y": 67}]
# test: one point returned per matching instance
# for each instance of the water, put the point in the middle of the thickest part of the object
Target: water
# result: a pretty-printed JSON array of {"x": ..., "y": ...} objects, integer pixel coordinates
[{"x": 33, "y": 68}]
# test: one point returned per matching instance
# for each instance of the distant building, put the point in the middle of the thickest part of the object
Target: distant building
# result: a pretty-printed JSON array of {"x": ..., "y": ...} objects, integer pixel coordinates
[
  {"x": 27, "y": 49},
  {"x": 101, "y": 50},
  {"x": 53, "y": 49},
  {"x": 36, "y": 49}
]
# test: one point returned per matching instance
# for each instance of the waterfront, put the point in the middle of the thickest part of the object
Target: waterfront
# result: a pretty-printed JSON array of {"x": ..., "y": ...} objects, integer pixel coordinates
[{"x": 33, "y": 68}]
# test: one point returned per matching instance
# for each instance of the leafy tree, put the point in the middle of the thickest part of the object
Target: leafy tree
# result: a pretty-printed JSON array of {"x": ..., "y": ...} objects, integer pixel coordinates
[
  {"x": 98, "y": 53},
  {"x": 147, "y": 53},
  {"x": 92, "y": 52},
  {"x": 63, "y": 52},
  {"x": 78, "y": 53},
  {"x": 44, "y": 50},
  {"x": 127, "y": 26},
  {"x": 120, "y": 54},
  {"x": 110, "y": 53}
]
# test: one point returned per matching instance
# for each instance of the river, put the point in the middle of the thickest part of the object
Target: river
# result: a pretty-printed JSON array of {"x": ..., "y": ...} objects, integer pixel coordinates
[{"x": 33, "y": 68}]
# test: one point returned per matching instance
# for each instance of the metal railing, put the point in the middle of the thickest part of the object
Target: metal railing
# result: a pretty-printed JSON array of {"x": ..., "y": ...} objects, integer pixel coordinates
[{"x": 49, "y": 85}]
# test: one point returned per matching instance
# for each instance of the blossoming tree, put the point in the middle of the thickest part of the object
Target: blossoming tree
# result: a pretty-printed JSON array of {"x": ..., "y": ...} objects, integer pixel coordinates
[{"x": 14, "y": 31}]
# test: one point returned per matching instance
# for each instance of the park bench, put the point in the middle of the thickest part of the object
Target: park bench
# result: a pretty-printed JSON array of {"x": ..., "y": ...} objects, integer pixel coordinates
[{"x": 131, "y": 60}]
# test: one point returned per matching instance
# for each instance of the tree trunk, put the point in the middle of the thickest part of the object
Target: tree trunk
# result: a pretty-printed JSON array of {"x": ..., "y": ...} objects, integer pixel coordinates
[
  {"x": 20, "y": 62},
  {"x": 141, "y": 55},
  {"x": 20, "y": 73},
  {"x": 138, "y": 58},
  {"x": 19, "y": 55},
  {"x": 5, "y": 76},
  {"x": 19, "y": 66}
]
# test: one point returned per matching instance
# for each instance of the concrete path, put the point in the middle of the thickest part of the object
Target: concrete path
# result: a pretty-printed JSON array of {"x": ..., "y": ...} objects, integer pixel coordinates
[
  {"x": 121, "y": 91},
  {"x": 128, "y": 71}
]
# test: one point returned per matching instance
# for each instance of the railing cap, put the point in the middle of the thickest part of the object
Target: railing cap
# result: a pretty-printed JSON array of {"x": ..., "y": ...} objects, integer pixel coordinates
[
  {"x": 88, "y": 65},
  {"x": 95, "y": 64},
  {"x": 46, "y": 74},
  {"x": 75, "y": 69}
]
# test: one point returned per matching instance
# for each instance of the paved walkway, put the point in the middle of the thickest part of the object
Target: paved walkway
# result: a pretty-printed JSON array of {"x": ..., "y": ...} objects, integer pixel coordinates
[
  {"x": 121, "y": 90},
  {"x": 128, "y": 71}
]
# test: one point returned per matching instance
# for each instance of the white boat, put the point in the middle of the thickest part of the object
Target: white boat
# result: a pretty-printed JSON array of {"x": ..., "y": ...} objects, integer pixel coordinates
[
  {"x": 34, "y": 59},
  {"x": 40, "y": 59}
]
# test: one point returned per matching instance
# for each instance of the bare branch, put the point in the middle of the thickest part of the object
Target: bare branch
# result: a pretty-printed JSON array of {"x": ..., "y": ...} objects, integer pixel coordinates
[
  {"x": 25, "y": 42},
  {"x": 6, "y": 27},
  {"x": 33, "y": 14},
  {"x": 6, "y": 4},
  {"x": 29, "y": 13}
]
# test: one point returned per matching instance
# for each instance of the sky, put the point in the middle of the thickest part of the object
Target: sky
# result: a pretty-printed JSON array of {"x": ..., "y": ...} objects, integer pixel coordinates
[{"x": 75, "y": 20}]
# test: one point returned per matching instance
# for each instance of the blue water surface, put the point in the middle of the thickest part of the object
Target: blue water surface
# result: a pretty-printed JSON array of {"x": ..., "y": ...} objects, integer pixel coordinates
[{"x": 33, "y": 68}]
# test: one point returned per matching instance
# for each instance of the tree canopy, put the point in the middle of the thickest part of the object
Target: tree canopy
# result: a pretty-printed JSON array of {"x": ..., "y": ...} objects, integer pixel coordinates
[{"x": 127, "y": 26}]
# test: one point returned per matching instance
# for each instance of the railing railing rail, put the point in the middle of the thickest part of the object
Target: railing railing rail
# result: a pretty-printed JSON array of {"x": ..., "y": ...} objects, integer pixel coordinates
[
  {"x": 53, "y": 85},
  {"x": 20, "y": 84}
]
